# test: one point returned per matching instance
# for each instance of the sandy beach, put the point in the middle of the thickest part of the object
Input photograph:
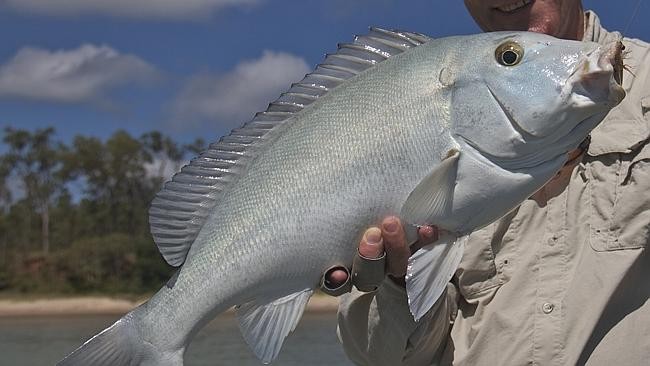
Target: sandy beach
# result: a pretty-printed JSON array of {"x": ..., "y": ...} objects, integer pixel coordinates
[{"x": 107, "y": 306}]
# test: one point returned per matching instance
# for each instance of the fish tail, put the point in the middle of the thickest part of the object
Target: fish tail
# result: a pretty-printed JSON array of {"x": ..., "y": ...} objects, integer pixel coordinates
[{"x": 121, "y": 345}]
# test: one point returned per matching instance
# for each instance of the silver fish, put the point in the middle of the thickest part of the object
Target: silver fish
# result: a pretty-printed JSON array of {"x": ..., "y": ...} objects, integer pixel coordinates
[{"x": 454, "y": 132}]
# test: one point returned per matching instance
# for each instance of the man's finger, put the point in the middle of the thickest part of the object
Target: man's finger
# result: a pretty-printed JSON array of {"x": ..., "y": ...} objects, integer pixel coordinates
[
  {"x": 395, "y": 245},
  {"x": 426, "y": 235},
  {"x": 369, "y": 265},
  {"x": 371, "y": 244},
  {"x": 336, "y": 281},
  {"x": 336, "y": 277}
]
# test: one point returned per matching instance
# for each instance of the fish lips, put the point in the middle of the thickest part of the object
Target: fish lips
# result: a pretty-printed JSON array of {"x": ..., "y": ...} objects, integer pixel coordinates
[{"x": 600, "y": 75}]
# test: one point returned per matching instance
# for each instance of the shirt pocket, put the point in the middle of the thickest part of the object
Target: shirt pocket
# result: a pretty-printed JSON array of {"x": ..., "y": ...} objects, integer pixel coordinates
[
  {"x": 479, "y": 272},
  {"x": 619, "y": 193}
]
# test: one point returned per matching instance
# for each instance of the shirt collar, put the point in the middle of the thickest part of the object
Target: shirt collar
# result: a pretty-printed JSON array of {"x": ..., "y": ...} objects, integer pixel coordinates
[{"x": 595, "y": 32}]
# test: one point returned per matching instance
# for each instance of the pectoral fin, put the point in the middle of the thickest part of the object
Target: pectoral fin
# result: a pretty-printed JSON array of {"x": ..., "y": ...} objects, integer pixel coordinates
[
  {"x": 265, "y": 326},
  {"x": 433, "y": 196},
  {"x": 429, "y": 270}
]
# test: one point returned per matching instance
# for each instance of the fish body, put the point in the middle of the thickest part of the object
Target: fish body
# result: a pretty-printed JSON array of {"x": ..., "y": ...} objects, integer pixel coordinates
[{"x": 445, "y": 132}]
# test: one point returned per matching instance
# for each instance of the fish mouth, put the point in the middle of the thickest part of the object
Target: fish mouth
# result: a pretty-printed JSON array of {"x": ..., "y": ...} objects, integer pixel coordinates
[
  {"x": 513, "y": 6},
  {"x": 600, "y": 74}
]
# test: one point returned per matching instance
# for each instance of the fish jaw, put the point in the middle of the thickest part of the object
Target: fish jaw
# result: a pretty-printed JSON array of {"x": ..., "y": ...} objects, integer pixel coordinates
[{"x": 598, "y": 78}]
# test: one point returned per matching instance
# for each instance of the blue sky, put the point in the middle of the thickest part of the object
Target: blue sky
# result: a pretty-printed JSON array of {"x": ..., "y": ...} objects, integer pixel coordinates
[{"x": 193, "y": 68}]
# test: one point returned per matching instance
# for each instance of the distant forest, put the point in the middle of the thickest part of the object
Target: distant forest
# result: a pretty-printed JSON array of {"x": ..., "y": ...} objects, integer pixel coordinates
[{"x": 74, "y": 218}]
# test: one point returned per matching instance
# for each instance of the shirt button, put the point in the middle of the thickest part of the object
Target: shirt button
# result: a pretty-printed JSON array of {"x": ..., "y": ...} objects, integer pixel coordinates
[{"x": 547, "y": 308}]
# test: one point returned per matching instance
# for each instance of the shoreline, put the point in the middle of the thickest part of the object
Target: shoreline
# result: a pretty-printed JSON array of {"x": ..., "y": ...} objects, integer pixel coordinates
[{"x": 104, "y": 305}]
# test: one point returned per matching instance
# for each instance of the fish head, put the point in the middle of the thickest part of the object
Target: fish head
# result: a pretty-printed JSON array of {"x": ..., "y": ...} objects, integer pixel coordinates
[{"x": 523, "y": 98}]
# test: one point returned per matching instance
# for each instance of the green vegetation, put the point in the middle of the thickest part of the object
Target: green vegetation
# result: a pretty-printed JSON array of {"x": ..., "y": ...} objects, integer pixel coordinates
[{"x": 73, "y": 219}]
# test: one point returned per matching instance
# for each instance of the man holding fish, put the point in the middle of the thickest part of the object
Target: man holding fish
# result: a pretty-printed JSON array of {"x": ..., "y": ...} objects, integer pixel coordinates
[
  {"x": 562, "y": 279},
  {"x": 454, "y": 132}
]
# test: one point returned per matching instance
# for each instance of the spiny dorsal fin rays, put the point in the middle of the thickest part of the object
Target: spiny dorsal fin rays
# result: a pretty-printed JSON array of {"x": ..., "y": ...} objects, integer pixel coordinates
[{"x": 180, "y": 209}]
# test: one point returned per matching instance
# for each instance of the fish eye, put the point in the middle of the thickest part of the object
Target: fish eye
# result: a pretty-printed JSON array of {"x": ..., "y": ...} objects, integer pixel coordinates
[{"x": 509, "y": 53}]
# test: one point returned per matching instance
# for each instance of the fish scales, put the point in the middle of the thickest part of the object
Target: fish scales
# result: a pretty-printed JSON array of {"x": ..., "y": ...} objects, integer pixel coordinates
[{"x": 329, "y": 168}]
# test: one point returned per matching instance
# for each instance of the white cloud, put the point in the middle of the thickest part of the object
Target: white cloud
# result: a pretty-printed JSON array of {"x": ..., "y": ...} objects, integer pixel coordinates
[
  {"x": 15, "y": 188},
  {"x": 235, "y": 97},
  {"x": 159, "y": 9},
  {"x": 70, "y": 76},
  {"x": 164, "y": 168}
]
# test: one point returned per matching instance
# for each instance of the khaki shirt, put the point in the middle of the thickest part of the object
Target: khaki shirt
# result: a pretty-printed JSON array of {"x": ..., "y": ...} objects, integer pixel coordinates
[{"x": 562, "y": 280}]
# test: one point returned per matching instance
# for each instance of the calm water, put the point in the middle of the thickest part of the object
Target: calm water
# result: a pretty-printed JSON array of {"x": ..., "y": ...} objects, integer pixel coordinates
[{"x": 44, "y": 340}]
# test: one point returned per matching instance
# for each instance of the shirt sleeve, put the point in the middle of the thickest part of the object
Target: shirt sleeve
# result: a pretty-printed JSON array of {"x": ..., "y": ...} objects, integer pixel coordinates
[{"x": 377, "y": 328}]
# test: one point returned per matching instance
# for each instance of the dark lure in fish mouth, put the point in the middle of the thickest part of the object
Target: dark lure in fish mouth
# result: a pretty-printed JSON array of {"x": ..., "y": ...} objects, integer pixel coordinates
[
  {"x": 617, "y": 62},
  {"x": 601, "y": 74}
]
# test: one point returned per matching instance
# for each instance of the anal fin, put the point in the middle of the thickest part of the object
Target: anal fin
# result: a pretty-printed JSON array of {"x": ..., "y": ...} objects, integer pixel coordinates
[
  {"x": 265, "y": 326},
  {"x": 429, "y": 270}
]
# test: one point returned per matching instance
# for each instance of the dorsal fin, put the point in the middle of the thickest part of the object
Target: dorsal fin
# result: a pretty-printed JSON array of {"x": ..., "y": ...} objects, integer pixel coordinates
[{"x": 180, "y": 209}]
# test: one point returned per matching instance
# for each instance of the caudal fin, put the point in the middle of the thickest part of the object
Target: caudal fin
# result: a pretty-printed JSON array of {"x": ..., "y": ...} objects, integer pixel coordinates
[{"x": 120, "y": 345}]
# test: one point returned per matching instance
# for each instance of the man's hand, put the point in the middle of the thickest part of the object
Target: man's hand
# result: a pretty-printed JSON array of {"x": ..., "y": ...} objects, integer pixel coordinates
[{"x": 389, "y": 239}]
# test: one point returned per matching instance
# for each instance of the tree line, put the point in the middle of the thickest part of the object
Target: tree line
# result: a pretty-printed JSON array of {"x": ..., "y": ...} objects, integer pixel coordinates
[{"x": 73, "y": 217}]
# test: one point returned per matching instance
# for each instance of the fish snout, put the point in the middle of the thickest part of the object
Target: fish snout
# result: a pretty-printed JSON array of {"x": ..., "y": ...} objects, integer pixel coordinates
[{"x": 602, "y": 73}]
